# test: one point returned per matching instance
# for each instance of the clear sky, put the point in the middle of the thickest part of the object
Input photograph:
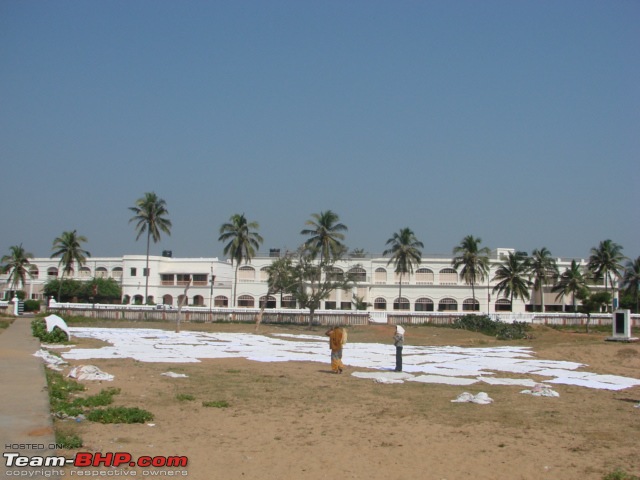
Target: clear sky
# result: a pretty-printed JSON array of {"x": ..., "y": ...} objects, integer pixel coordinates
[{"x": 514, "y": 121}]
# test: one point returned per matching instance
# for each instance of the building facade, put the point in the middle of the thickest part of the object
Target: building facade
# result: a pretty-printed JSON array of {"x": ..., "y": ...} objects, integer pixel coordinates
[{"x": 433, "y": 286}]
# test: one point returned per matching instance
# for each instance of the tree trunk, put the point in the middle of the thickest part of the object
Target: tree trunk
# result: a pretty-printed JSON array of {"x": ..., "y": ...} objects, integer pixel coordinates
[{"x": 146, "y": 272}]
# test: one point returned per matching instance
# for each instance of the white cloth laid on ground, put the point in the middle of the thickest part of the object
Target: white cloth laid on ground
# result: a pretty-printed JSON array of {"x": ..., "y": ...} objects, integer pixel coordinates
[
  {"x": 481, "y": 398},
  {"x": 55, "y": 321},
  {"x": 541, "y": 390},
  {"x": 89, "y": 372}
]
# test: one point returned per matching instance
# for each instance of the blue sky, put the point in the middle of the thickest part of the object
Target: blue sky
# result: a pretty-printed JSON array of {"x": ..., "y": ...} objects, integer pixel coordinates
[{"x": 515, "y": 121}]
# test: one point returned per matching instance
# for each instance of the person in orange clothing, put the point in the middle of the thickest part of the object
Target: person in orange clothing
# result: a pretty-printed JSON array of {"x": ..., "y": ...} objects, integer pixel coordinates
[{"x": 337, "y": 339}]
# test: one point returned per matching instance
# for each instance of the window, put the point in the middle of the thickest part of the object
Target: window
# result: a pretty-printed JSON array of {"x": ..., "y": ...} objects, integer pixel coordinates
[
  {"x": 33, "y": 270},
  {"x": 166, "y": 279},
  {"x": 424, "y": 305},
  {"x": 183, "y": 279},
  {"x": 503, "y": 305},
  {"x": 134, "y": 271},
  {"x": 345, "y": 305},
  {"x": 380, "y": 276},
  {"x": 145, "y": 272},
  {"x": 167, "y": 300},
  {"x": 85, "y": 272},
  {"x": 424, "y": 276},
  {"x": 198, "y": 300},
  {"x": 271, "y": 302},
  {"x": 246, "y": 301},
  {"x": 448, "y": 305},
  {"x": 200, "y": 279},
  {"x": 358, "y": 274},
  {"x": 335, "y": 275},
  {"x": 116, "y": 272},
  {"x": 448, "y": 276},
  {"x": 330, "y": 305},
  {"x": 221, "y": 301},
  {"x": 471, "y": 305},
  {"x": 246, "y": 274},
  {"x": 288, "y": 302},
  {"x": 380, "y": 304},
  {"x": 101, "y": 272},
  {"x": 401, "y": 304},
  {"x": 264, "y": 274},
  {"x": 52, "y": 272}
]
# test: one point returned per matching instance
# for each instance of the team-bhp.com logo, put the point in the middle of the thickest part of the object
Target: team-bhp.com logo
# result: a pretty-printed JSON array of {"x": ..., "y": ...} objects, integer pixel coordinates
[{"x": 88, "y": 459}]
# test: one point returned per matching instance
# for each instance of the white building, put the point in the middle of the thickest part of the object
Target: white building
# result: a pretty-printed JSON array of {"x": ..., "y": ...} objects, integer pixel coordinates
[{"x": 433, "y": 286}]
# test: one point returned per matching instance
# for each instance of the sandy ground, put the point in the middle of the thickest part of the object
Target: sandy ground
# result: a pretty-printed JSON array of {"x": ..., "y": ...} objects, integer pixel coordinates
[{"x": 297, "y": 420}]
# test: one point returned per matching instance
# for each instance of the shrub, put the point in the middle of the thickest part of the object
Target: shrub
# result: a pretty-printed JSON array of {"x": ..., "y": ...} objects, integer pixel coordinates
[
  {"x": 500, "y": 330},
  {"x": 119, "y": 415},
  {"x": 216, "y": 404},
  {"x": 32, "y": 305},
  {"x": 39, "y": 330}
]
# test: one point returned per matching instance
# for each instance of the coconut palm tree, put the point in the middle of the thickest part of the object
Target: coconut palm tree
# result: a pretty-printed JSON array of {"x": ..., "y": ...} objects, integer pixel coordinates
[
  {"x": 571, "y": 281},
  {"x": 16, "y": 264},
  {"x": 325, "y": 235},
  {"x": 405, "y": 253},
  {"x": 68, "y": 247},
  {"x": 631, "y": 280},
  {"x": 606, "y": 262},
  {"x": 473, "y": 260},
  {"x": 150, "y": 217},
  {"x": 513, "y": 277},
  {"x": 544, "y": 270},
  {"x": 242, "y": 243}
]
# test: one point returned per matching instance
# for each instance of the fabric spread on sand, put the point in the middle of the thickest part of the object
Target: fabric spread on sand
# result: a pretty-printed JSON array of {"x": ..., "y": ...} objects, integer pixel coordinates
[{"x": 438, "y": 364}]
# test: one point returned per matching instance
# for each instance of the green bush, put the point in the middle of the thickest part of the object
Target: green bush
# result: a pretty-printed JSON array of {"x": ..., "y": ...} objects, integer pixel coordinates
[
  {"x": 119, "y": 415},
  {"x": 32, "y": 305},
  {"x": 39, "y": 330},
  {"x": 500, "y": 330}
]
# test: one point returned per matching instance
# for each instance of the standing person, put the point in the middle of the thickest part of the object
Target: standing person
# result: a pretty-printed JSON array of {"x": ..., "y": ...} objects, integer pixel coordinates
[
  {"x": 398, "y": 341},
  {"x": 337, "y": 338}
]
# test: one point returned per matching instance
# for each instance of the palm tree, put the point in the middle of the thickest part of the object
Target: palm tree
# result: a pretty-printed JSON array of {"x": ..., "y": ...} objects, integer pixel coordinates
[
  {"x": 572, "y": 281},
  {"x": 242, "y": 244},
  {"x": 16, "y": 265},
  {"x": 150, "y": 217},
  {"x": 405, "y": 253},
  {"x": 513, "y": 277},
  {"x": 605, "y": 262},
  {"x": 69, "y": 247},
  {"x": 325, "y": 235},
  {"x": 473, "y": 260},
  {"x": 544, "y": 270},
  {"x": 631, "y": 280}
]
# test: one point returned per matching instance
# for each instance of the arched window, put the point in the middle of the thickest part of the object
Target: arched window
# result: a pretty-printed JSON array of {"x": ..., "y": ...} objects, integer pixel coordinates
[
  {"x": 264, "y": 274},
  {"x": 52, "y": 272},
  {"x": 182, "y": 300},
  {"x": 503, "y": 305},
  {"x": 471, "y": 305},
  {"x": 167, "y": 300},
  {"x": 246, "y": 274},
  {"x": 424, "y": 305},
  {"x": 288, "y": 302},
  {"x": 335, "y": 274},
  {"x": 271, "y": 301},
  {"x": 358, "y": 274},
  {"x": 424, "y": 276},
  {"x": 401, "y": 303},
  {"x": 85, "y": 272},
  {"x": 448, "y": 276},
  {"x": 246, "y": 301},
  {"x": 101, "y": 272},
  {"x": 33, "y": 270},
  {"x": 380, "y": 276},
  {"x": 221, "y": 301},
  {"x": 137, "y": 299},
  {"x": 198, "y": 300},
  {"x": 380, "y": 304},
  {"x": 448, "y": 305},
  {"x": 116, "y": 272},
  {"x": 405, "y": 278}
]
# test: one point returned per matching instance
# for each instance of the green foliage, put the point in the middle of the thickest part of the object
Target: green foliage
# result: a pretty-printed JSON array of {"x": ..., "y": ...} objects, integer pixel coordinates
[
  {"x": 216, "y": 404},
  {"x": 619, "y": 474},
  {"x": 185, "y": 397},
  {"x": 68, "y": 440},
  {"x": 97, "y": 290},
  {"x": 500, "y": 330},
  {"x": 119, "y": 415},
  {"x": 60, "y": 391},
  {"x": 39, "y": 330},
  {"x": 32, "y": 305}
]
